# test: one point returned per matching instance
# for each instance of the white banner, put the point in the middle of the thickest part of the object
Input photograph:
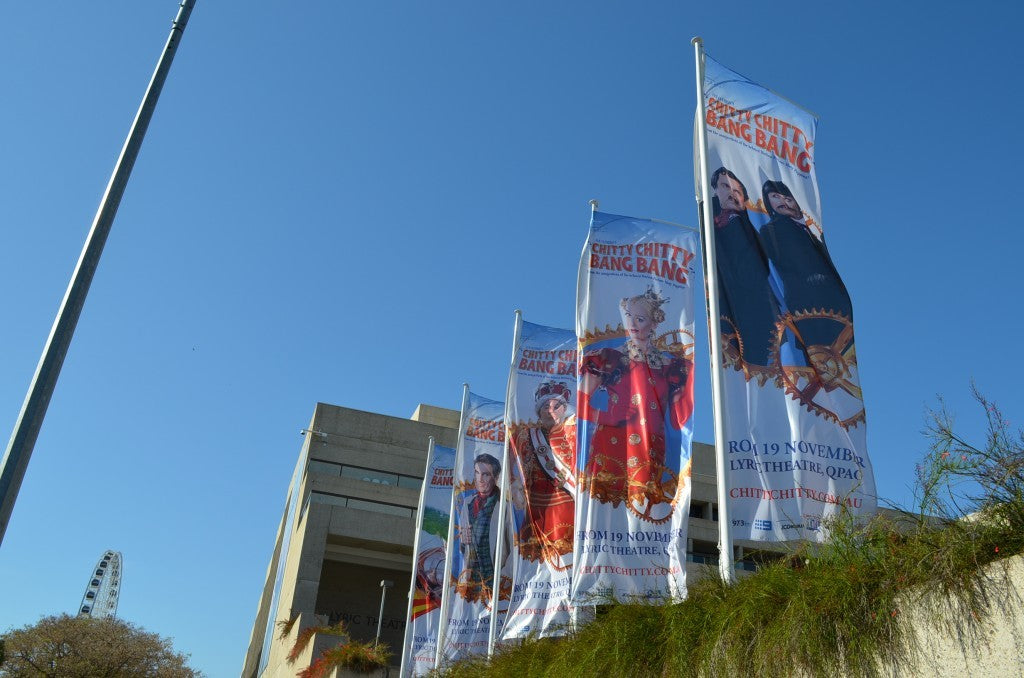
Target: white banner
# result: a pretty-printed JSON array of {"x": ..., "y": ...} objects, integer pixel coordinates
[
  {"x": 634, "y": 322},
  {"x": 542, "y": 433},
  {"x": 793, "y": 411},
  {"x": 475, "y": 531},
  {"x": 420, "y": 650}
]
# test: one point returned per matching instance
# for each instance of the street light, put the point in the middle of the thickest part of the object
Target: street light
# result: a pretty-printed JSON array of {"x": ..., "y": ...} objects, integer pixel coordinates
[{"x": 385, "y": 584}]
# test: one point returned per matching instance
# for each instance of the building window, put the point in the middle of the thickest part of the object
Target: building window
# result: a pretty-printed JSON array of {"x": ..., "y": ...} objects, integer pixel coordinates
[
  {"x": 410, "y": 482},
  {"x": 703, "y": 558},
  {"x": 376, "y": 477},
  {"x": 324, "y": 467},
  {"x": 324, "y": 498},
  {"x": 361, "y": 504},
  {"x": 378, "y": 507},
  {"x": 369, "y": 475}
]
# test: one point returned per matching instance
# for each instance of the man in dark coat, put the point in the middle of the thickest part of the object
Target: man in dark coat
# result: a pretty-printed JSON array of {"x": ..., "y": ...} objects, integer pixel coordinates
[
  {"x": 809, "y": 279},
  {"x": 744, "y": 295}
]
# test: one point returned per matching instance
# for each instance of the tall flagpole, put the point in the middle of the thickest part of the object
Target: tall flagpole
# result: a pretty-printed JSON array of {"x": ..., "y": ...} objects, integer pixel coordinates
[
  {"x": 725, "y": 559},
  {"x": 415, "y": 558},
  {"x": 577, "y": 611},
  {"x": 506, "y": 487},
  {"x": 33, "y": 411},
  {"x": 460, "y": 444}
]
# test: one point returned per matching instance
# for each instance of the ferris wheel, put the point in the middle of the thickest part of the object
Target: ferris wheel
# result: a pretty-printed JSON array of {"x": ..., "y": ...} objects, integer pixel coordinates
[{"x": 104, "y": 588}]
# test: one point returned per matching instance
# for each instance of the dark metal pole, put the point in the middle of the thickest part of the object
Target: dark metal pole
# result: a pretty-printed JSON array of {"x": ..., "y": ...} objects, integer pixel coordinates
[{"x": 30, "y": 420}]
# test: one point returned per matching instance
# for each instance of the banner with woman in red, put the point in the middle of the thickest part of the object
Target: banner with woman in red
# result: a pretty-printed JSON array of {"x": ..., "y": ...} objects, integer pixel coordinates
[{"x": 634, "y": 323}]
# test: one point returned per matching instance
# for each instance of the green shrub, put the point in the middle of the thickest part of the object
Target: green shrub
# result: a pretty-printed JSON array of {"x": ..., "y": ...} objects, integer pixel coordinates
[{"x": 352, "y": 655}]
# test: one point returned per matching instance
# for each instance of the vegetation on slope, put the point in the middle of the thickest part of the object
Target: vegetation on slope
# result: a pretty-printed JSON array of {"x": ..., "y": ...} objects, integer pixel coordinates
[
  {"x": 830, "y": 610},
  {"x": 347, "y": 654}
]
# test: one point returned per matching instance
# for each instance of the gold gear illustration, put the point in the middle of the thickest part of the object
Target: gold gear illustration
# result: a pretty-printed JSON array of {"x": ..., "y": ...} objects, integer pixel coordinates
[
  {"x": 555, "y": 550},
  {"x": 830, "y": 367},
  {"x": 644, "y": 496},
  {"x": 677, "y": 342},
  {"x": 600, "y": 483},
  {"x": 505, "y": 588},
  {"x": 732, "y": 356},
  {"x": 732, "y": 346},
  {"x": 471, "y": 587}
]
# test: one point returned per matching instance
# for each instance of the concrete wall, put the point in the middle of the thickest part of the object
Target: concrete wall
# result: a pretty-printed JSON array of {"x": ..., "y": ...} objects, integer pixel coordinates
[
  {"x": 339, "y": 554},
  {"x": 998, "y": 648}
]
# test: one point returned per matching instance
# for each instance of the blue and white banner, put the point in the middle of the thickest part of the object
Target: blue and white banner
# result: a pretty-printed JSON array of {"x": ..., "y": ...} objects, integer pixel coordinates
[
  {"x": 433, "y": 517},
  {"x": 475, "y": 531},
  {"x": 634, "y": 323},
  {"x": 542, "y": 432},
  {"x": 793, "y": 411}
]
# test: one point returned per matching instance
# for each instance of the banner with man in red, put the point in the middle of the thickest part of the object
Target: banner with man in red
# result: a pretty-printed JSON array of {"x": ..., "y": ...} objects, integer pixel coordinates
[{"x": 542, "y": 431}]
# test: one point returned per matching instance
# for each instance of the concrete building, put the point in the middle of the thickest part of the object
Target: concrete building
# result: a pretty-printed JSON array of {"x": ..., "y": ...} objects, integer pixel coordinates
[{"x": 349, "y": 524}]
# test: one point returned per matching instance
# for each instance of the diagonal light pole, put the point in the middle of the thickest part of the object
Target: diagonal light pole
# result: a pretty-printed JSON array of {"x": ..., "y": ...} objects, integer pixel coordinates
[{"x": 30, "y": 420}]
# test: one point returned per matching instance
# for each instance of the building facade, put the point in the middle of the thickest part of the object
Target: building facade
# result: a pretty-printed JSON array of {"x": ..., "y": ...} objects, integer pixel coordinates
[{"x": 349, "y": 524}]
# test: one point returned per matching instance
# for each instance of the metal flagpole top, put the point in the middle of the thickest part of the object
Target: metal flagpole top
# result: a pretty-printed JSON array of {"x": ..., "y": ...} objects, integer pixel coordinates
[
  {"x": 594, "y": 204},
  {"x": 697, "y": 40}
]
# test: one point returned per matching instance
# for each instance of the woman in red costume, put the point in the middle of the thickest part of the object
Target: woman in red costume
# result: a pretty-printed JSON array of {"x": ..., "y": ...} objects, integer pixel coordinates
[{"x": 632, "y": 394}]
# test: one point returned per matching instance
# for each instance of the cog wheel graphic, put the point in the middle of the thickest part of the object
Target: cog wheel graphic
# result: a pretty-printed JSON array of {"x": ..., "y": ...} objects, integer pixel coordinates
[
  {"x": 471, "y": 587},
  {"x": 732, "y": 356},
  {"x": 649, "y": 499},
  {"x": 677, "y": 342},
  {"x": 605, "y": 481},
  {"x": 732, "y": 345},
  {"x": 830, "y": 366}
]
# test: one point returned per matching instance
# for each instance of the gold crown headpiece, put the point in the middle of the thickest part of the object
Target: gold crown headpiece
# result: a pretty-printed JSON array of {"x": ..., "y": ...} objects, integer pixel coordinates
[{"x": 552, "y": 389}]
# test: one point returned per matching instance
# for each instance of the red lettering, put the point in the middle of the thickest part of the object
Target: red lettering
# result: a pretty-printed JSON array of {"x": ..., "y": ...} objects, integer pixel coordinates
[{"x": 803, "y": 162}]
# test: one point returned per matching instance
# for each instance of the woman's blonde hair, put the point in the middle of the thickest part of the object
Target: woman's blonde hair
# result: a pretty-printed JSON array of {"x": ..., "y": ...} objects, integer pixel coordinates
[{"x": 652, "y": 299}]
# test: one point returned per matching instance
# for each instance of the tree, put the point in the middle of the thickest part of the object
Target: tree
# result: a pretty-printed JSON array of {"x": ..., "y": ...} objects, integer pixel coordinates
[{"x": 80, "y": 647}]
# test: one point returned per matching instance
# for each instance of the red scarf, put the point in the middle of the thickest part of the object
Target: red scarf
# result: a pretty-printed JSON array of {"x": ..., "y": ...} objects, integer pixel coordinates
[
  {"x": 478, "y": 503},
  {"x": 723, "y": 218}
]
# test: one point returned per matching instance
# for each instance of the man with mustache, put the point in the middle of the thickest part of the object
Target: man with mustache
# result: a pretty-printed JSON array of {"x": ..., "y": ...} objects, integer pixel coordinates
[{"x": 744, "y": 295}]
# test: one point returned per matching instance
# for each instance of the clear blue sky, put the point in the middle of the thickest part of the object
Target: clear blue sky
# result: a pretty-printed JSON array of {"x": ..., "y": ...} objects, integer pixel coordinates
[{"x": 345, "y": 202}]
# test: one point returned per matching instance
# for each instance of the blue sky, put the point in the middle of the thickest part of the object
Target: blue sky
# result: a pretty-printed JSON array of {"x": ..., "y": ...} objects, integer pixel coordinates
[{"x": 346, "y": 201}]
